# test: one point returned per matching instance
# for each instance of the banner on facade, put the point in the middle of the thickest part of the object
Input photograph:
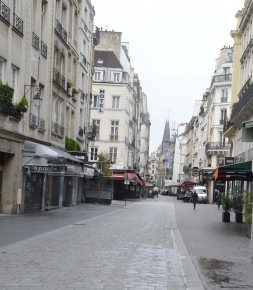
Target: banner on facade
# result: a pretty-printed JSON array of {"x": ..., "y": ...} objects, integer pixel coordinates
[{"x": 101, "y": 101}]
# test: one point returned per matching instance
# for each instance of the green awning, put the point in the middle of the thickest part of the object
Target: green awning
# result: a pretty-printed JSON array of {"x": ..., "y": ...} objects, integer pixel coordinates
[{"x": 240, "y": 170}]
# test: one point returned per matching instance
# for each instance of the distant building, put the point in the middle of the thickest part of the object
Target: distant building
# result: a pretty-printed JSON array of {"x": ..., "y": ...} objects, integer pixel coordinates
[{"x": 119, "y": 107}]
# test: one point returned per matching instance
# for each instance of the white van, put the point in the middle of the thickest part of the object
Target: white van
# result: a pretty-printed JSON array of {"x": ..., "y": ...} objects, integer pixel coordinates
[{"x": 201, "y": 192}]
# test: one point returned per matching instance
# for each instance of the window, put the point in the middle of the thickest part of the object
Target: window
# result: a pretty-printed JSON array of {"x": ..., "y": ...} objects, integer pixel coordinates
[
  {"x": 14, "y": 80},
  {"x": 116, "y": 77},
  {"x": 95, "y": 101},
  {"x": 57, "y": 111},
  {"x": 226, "y": 70},
  {"x": 224, "y": 95},
  {"x": 115, "y": 102},
  {"x": 113, "y": 154},
  {"x": 223, "y": 116},
  {"x": 114, "y": 130},
  {"x": 98, "y": 76},
  {"x": 97, "y": 123},
  {"x": 93, "y": 153}
]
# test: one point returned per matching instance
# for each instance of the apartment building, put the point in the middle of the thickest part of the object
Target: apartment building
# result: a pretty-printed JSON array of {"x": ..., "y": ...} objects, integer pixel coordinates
[
  {"x": 42, "y": 64},
  {"x": 119, "y": 107}
]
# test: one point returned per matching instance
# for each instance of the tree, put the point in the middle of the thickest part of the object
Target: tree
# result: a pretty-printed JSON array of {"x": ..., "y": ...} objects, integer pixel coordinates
[{"x": 104, "y": 162}]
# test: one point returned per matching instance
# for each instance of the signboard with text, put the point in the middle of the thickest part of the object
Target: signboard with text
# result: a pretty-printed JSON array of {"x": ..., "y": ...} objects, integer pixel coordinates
[{"x": 101, "y": 101}]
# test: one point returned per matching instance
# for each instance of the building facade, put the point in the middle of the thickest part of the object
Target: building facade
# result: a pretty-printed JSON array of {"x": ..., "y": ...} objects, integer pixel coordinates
[
  {"x": 119, "y": 107},
  {"x": 42, "y": 62}
]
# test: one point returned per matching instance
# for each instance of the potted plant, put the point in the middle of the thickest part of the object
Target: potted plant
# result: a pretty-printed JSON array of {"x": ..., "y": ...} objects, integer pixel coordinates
[
  {"x": 22, "y": 105},
  {"x": 237, "y": 205},
  {"x": 226, "y": 205},
  {"x": 6, "y": 94},
  {"x": 69, "y": 84},
  {"x": 248, "y": 213}
]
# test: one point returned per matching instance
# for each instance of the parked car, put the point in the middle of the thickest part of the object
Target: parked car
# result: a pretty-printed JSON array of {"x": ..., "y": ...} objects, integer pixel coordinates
[{"x": 202, "y": 193}]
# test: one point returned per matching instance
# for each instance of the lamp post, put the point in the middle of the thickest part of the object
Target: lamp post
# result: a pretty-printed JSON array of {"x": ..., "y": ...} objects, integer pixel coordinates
[
  {"x": 37, "y": 101},
  {"x": 35, "y": 96}
]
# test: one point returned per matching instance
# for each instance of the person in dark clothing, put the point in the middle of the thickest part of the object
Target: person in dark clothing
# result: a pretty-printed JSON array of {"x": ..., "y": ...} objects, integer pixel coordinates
[
  {"x": 218, "y": 200},
  {"x": 194, "y": 198}
]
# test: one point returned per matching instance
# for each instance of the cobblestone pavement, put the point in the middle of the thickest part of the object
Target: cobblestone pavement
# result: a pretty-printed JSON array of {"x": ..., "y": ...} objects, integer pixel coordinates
[{"x": 134, "y": 247}]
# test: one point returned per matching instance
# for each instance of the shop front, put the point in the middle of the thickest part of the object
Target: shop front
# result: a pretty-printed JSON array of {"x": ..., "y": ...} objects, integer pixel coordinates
[{"x": 50, "y": 178}]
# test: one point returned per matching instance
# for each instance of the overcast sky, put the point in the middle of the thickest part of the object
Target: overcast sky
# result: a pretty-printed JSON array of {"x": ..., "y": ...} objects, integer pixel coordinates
[{"x": 173, "y": 46}]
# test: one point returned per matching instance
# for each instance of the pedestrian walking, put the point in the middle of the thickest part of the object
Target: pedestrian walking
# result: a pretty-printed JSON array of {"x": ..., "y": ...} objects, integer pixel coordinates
[
  {"x": 194, "y": 198},
  {"x": 218, "y": 200},
  {"x": 155, "y": 192}
]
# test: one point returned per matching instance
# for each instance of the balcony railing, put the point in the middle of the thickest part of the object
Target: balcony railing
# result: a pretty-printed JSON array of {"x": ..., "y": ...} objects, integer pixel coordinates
[
  {"x": 33, "y": 121},
  {"x": 91, "y": 132},
  {"x": 244, "y": 99},
  {"x": 18, "y": 23},
  {"x": 221, "y": 78},
  {"x": 36, "y": 41},
  {"x": 43, "y": 49},
  {"x": 211, "y": 146},
  {"x": 4, "y": 12},
  {"x": 59, "y": 78},
  {"x": 57, "y": 130},
  {"x": 42, "y": 124},
  {"x": 61, "y": 31}
]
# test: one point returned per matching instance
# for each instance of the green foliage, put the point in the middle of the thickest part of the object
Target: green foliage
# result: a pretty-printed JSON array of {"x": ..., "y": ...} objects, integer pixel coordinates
[
  {"x": 104, "y": 162},
  {"x": 226, "y": 202},
  {"x": 72, "y": 145},
  {"x": 237, "y": 203},
  {"x": 136, "y": 167},
  {"x": 6, "y": 93},
  {"x": 248, "y": 207},
  {"x": 23, "y": 103}
]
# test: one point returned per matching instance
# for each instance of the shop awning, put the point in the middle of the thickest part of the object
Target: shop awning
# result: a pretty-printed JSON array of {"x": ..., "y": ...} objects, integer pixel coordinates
[
  {"x": 132, "y": 175},
  {"x": 33, "y": 151},
  {"x": 241, "y": 170},
  {"x": 148, "y": 184}
]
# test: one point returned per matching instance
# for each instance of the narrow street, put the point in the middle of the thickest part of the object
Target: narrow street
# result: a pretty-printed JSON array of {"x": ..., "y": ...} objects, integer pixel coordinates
[{"x": 149, "y": 244}]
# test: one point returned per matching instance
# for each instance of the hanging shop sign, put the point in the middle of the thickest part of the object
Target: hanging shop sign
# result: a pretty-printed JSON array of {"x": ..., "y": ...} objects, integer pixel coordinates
[{"x": 101, "y": 101}]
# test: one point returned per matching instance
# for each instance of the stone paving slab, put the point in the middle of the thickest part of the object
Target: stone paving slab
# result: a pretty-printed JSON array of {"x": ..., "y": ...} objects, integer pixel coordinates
[{"x": 135, "y": 247}]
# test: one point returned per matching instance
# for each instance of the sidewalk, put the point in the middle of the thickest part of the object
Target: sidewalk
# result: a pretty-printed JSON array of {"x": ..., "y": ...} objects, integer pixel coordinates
[{"x": 220, "y": 251}]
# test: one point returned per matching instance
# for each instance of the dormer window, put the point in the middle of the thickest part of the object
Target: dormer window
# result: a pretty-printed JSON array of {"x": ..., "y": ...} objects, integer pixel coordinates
[{"x": 100, "y": 62}]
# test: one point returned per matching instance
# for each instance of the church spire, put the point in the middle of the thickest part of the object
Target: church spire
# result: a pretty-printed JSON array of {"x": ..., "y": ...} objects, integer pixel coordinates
[{"x": 166, "y": 137}]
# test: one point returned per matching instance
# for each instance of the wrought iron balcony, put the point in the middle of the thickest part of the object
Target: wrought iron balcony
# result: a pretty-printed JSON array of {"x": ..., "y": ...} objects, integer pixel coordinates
[
  {"x": 245, "y": 98},
  {"x": 41, "y": 125},
  {"x": 36, "y": 41},
  {"x": 4, "y": 13},
  {"x": 221, "y": 78},
  {"x": 57, "y": 130},
  {"x": 33, "y": 121},
  {"x": 59, "y": 78},
  {"x": 217, "y": 146},
  {"x": 18, "y": 23},
  {"x": 91, "y": 133},
  {"x": 61, "y": 31},
  {"x": 43, "y": 49}
]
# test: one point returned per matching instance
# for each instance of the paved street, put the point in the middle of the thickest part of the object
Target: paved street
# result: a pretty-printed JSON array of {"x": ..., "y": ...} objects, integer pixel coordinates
[{"x": 139, "y": 246}]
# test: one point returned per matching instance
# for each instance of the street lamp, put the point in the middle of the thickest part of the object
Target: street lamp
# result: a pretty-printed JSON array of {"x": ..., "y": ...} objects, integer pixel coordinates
[{"x": 37, "y": 101}]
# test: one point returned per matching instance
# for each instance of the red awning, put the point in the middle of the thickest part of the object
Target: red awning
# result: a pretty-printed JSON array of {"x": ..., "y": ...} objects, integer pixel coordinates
[
  {"x": 148, "y": 184},
  {"x": 131, "y": 175}
]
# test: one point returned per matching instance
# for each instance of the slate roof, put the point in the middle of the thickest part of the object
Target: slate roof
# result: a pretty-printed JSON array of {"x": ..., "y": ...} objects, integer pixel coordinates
[{"x": 106, "y": 59}]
